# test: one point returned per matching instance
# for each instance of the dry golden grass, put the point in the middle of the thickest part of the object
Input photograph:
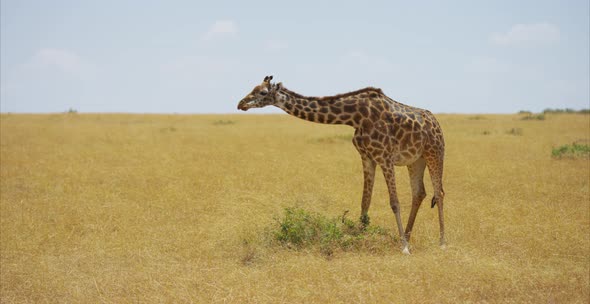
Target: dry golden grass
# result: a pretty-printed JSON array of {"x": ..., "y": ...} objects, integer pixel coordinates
[{"x": 169, "y": 208}]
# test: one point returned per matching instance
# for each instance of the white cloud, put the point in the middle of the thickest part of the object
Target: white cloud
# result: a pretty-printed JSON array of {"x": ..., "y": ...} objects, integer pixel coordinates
[
  {"x": 221, "y": 28},
  {"x": 519, "y": 34}
]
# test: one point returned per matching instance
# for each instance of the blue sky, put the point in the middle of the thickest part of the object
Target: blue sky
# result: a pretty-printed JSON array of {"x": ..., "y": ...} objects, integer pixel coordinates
[{"x": 204, "y": 56}]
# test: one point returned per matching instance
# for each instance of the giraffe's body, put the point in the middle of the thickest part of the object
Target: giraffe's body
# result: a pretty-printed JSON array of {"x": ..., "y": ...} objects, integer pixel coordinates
[{"x": 387, "y": 133}]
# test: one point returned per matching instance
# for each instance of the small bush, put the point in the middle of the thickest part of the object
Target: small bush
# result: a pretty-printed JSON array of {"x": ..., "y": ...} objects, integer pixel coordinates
[
  {"x": 477, "y": 117},
  {"x": 72, "y": 111},
  {"x": 525, "y": 112},
  {"x": 575, "y": 150},
  {"x": 299, "y": 229},
  {"x": 515, "y": 131},
  {"x": 486, "y": 132}
]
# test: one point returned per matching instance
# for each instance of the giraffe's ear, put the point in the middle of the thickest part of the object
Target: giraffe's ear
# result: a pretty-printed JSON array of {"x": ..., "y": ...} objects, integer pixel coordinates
[{"x": 267, "y": 79}]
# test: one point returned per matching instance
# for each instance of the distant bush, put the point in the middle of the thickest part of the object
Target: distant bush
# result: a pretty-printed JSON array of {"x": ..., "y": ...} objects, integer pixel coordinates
[
  {"x": 486, "y": 132},
  {"x": 575, "y": 150},
  {"x": 534, "y": 117},
  {"x": 299, "y": 228},
  {"x": 566, "y": 111},
  {"x": 477, "y": 117},
  {"x": 525, "y": 112},
  {"x": 72, "y": 111}
]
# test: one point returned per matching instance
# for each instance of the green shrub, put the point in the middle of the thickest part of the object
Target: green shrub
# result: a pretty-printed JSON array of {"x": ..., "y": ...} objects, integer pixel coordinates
[
  {"x": 575, "y": 150},
  {"x": 298, "y": 229}
]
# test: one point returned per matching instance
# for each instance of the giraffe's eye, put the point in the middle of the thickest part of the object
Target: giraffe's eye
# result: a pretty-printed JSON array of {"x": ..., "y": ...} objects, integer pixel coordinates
[{"x": 263, "y": 93}]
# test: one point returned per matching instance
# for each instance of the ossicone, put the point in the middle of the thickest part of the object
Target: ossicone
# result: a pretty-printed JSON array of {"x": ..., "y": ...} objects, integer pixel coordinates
[{"x": 277, "y": 86}]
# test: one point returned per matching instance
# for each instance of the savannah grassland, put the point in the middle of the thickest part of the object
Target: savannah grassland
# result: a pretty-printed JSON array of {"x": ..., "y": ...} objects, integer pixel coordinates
[{"x": 177, "y": 208}]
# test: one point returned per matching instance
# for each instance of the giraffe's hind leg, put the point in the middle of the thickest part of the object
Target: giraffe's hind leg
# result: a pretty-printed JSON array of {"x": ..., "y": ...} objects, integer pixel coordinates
[
  {"x": 389, "y": 174},
  {"x": 435, "y": 167},
  {"x": 416, "y": 171}
]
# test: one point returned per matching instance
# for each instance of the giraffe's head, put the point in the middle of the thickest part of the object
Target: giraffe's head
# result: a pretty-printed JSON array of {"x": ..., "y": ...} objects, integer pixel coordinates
[{"x": 261, "y": 96}]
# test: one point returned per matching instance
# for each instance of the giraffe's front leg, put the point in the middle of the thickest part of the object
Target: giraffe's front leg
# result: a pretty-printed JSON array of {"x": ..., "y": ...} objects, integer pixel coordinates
[
  {"x": 369, "y": 180},
  {"x": 389, "y": 174}
]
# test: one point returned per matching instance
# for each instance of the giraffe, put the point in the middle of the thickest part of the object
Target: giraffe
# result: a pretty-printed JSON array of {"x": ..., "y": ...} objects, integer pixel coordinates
[{"x": 387, "y": 133}]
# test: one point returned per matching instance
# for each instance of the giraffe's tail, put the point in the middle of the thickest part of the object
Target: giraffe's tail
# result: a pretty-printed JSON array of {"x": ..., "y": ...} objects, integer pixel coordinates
[{"x": 433, "y": 202}]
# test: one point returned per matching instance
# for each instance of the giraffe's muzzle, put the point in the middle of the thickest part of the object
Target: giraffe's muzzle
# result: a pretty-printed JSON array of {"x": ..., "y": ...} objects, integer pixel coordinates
[{"x": 244, "y": 105}]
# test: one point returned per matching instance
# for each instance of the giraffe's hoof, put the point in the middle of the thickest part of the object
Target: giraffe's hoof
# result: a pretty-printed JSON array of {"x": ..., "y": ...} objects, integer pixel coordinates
[
  {"x": 365, "y": 220},
  {"x": 443, "y": 245},
  {"x": 406, "y": 250}
]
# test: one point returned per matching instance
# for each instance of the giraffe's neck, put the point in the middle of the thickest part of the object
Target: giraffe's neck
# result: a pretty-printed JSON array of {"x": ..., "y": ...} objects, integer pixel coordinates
[{"x": 348, "y": 109}]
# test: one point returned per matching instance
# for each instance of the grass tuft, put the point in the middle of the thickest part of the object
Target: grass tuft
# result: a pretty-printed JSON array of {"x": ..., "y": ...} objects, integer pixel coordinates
[
  {"x": 338, "y": 138},
  {"x": 477, "y": 117},
  {"x": 223, "y": 122},
  {"x": 515, "y": 131}
]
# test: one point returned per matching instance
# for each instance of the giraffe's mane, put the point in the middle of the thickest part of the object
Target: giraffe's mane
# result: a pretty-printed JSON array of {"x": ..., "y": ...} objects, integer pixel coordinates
[{"x": 343, "y": 95}]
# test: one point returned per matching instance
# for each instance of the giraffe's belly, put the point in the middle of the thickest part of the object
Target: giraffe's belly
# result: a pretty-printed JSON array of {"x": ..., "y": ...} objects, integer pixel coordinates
[
  {"x": 385, "y": 149},
  {"x": 401, "y": 159}
]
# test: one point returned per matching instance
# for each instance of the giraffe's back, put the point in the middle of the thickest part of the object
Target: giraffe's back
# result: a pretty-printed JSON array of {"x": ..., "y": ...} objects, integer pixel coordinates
[{"x": 399, "y": 133}]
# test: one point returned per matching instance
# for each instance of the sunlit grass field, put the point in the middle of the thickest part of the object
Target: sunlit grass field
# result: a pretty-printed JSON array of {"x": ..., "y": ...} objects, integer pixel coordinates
[{"x": 177, "y": 208}]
